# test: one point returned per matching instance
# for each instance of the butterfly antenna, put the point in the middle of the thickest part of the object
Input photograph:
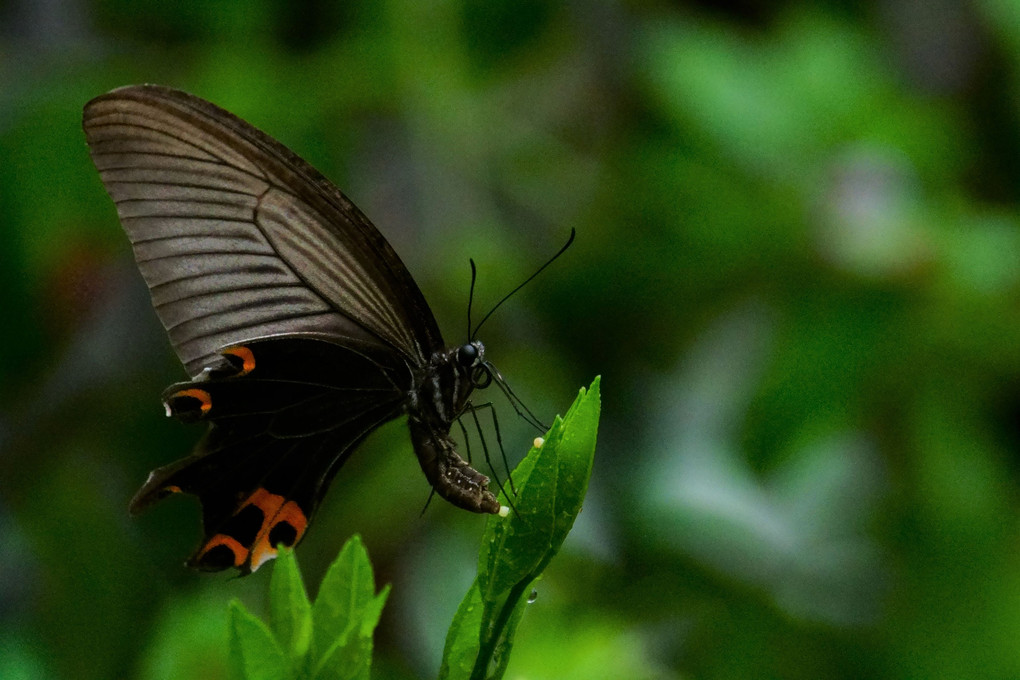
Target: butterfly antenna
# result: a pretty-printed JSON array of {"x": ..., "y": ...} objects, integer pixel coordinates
[
  {"x": 471, "y": 295},
  {"x": 524, "y": 283}
]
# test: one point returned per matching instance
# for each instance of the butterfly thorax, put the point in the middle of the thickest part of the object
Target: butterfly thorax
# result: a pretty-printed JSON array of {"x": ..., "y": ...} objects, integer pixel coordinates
[
  {"x": 439, "y": 396},
  {"x": 442, "y": 388}
]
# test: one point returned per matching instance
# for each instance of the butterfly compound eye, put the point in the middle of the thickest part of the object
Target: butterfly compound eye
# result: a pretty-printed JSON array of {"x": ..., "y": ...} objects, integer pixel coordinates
[{"x": 467, "y": 355}]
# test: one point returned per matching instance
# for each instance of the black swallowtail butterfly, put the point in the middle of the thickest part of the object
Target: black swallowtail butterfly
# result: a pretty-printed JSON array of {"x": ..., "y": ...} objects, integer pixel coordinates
[{"x": 300, "y": 327}]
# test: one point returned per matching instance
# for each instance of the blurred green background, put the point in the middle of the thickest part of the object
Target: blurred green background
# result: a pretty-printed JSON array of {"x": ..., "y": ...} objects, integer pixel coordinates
[{"x": 797, "y": 269}]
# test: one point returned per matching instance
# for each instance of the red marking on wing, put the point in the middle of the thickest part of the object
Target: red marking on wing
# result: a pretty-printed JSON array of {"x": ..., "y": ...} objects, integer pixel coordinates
[
  {"x": 275, "y": 509},
  {"x": 201, "y": 395},
  {"x": 246, "y": 356},
  {"x": 240, "y": 552}
]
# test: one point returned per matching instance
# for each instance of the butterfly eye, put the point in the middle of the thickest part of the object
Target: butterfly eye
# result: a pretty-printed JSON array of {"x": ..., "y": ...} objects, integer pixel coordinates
[{"x": 467, "y": 355}]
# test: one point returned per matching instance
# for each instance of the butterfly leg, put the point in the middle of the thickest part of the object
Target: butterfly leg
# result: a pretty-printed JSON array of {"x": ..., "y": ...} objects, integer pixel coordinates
[{"x": 499, "y": 441}]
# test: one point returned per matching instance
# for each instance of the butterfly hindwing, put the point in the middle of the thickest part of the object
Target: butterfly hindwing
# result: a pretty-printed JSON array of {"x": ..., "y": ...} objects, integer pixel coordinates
[{"x": 281, "y": 426}]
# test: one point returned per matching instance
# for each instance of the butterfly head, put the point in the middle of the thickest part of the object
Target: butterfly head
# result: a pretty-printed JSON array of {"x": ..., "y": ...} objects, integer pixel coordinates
[
  {"x": 471, "y": 360},
  {"x": 471, "y": 354}
]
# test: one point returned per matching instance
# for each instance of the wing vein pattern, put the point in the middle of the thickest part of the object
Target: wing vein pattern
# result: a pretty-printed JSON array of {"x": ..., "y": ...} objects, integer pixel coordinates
[{"x": 240, "y": 239}]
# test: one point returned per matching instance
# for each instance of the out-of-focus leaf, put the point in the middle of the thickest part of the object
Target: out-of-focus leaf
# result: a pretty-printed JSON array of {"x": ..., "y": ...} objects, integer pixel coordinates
[
  {"x": 289, "y": 608},
  {"x": 346, "y": 590},
  {"x": 254, "y": 652},
  {"x": 461, "y": 648}
]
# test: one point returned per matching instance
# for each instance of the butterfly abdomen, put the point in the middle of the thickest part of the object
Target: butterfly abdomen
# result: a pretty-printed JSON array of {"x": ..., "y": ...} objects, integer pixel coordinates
[{"x": 448, "y": 473}]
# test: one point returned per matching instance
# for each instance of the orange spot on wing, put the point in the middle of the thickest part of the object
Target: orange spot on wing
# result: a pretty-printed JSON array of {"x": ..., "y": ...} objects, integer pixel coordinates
[
  {"x": 275, "y": 509},
  {"x": 240, "y": 552},
  {"x": 246, "y": 356},
  {"x": 291, "y": 514},
  {"x": 201, "y": 395}
]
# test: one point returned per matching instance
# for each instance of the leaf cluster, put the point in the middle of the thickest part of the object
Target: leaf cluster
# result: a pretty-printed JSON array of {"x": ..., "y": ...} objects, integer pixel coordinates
[{"x": 328, "y": 640}]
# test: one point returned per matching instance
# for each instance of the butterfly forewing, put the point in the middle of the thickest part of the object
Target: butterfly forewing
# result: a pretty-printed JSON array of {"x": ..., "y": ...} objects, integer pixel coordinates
[{"x": 238, "y": 238}]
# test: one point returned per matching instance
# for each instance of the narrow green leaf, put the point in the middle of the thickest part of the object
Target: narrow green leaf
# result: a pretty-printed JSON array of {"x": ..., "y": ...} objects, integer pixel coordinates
[
  {"x": 373, "y": 612},
  {"x": 575, "y": 459},
  {"x": 551, "y": 483},
  {"x": 550, "y": 491},
  {"x": 254, "y": 652},
  {"x": 505, "y": 643},
  {"x": 462, "y": 639},
  {"x": 346, "y": 590},
  {"x": 345, "y": 614},
  {"x": 290, "y": 611},
  {"x": 350, "y": 657}
]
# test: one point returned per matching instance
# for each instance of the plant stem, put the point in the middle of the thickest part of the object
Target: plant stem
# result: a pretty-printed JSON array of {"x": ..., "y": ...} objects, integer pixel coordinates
[{"x": 487, "y": 648}]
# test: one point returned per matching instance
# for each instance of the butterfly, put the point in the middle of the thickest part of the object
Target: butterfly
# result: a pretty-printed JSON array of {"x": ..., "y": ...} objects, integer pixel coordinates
[{"x": 299, "y": 325}]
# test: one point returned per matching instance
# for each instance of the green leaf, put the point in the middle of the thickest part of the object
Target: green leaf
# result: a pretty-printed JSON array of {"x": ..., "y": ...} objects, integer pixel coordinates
[
  {"x": 290, "y": 611},
  {"x": 345, "y": 614},
  {"x": 350, "y": 657},
  {"x": 373, "y": 612},
  {"x": 254, "y": 652},
  {"x": 462, "y": 640},
  {"x": 346, "y": 590},
  {"x": 516, "y": 604},
  {"x": 330, "y": 640},
  {"x": 551, "y": 483},
  {"x": 460, "y": 655}
]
